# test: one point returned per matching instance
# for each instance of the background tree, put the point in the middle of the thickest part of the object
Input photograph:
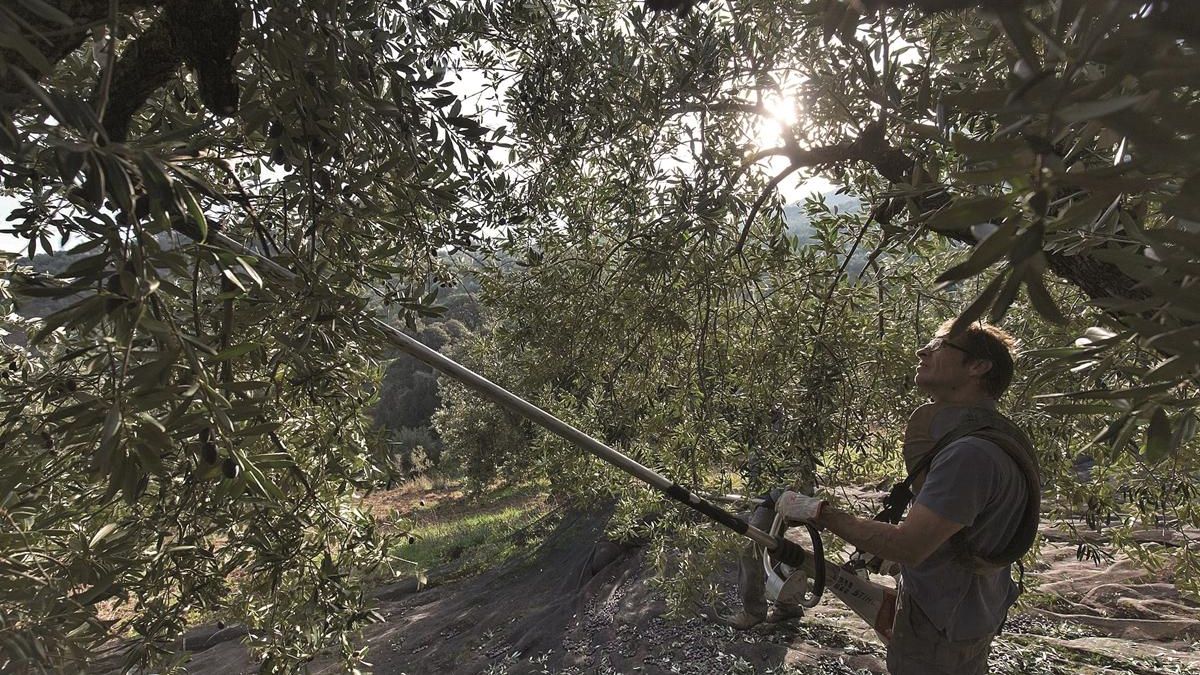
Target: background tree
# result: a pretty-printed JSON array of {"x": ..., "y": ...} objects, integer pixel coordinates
[{"x": 409, "y": 392}]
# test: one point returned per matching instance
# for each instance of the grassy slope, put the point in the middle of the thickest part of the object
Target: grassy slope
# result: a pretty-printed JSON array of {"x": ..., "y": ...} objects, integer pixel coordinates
[{"x": 439, "y": 526}]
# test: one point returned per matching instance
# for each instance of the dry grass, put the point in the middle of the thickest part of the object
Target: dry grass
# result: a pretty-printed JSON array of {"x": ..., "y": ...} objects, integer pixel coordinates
[{"x": 436, "y": 523}]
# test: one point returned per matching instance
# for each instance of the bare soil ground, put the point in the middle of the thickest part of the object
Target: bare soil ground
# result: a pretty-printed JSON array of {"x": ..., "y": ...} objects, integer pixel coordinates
[{"x": 581, "y": 604}]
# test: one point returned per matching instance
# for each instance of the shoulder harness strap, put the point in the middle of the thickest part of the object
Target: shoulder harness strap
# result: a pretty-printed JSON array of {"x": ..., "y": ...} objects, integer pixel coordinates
[{"x": 995, "y": 428}]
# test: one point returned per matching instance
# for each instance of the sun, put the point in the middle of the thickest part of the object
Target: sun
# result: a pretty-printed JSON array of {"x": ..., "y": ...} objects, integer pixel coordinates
[{"x": 782, "y": 113}]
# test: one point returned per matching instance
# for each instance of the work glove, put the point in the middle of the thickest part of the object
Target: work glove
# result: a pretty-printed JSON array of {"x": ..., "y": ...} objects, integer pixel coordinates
[{"x": 801, "y": 507}]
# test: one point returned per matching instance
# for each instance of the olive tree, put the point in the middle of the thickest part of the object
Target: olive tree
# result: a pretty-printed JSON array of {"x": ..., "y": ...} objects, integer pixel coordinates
[
  {"x": 183, "y": 433},
  {"x": 1039, "y": 155}
]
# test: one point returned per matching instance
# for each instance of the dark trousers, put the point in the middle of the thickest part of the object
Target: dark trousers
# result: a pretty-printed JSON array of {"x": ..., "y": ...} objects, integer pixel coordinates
[
  {"x": 752, "y": 577},
  {"x": 919, "y": 648}
]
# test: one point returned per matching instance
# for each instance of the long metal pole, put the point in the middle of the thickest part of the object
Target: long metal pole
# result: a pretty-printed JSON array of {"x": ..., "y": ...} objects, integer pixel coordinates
[{"x": 783, "y": 549}]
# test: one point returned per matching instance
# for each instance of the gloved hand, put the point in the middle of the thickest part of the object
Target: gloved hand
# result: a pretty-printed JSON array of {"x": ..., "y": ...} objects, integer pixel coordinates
[{"x": 796, "y": 506}]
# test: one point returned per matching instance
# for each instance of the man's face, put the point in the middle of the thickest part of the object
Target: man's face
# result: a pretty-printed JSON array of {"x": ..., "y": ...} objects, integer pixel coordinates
[{"x": 944, "y": 367}]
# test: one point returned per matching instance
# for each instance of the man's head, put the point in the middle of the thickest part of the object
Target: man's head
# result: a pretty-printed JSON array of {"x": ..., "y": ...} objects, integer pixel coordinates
[{"x": 975, "y": 363}]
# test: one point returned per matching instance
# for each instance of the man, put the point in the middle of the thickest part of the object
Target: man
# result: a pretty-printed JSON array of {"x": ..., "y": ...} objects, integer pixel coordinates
[{"x": 977, "y": 499}]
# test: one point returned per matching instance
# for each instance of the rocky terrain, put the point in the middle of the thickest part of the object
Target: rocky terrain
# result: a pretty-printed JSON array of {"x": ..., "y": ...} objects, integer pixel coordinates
[{"x": 581, "y": 604}]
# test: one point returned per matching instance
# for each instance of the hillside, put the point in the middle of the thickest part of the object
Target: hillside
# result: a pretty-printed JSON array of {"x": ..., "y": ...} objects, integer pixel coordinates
[{"x": 573, "y": 602}]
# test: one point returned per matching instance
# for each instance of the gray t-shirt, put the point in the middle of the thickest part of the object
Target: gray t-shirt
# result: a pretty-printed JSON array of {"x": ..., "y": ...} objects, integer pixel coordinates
[{"x": 975, "y": 483}]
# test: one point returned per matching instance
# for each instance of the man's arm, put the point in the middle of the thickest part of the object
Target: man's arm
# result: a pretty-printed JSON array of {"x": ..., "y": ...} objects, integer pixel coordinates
[
  {"x": 958, "y": 485},
  {"x": 908, "y": 543}
]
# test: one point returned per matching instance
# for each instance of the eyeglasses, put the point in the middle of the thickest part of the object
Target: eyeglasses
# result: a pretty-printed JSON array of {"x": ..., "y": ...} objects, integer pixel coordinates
[{"x": 942, "y": 341}]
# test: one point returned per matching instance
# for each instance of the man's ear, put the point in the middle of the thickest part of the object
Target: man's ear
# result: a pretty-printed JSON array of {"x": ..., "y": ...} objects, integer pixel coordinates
[{"x": 978, "y": 367}]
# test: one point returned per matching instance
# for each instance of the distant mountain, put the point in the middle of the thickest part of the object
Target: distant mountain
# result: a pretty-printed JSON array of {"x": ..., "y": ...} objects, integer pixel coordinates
[
  {"x": 36, "y": 308},
  {"x": 798, "y": 224},
  {"x": 842, "y": 202},
  {"x": 798, "y": 221},
  {"x": 54, "y": 264}
]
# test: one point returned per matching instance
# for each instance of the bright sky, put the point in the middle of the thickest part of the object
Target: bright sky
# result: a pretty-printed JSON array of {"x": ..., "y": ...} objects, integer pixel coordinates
[
  {"x": 794, "y": 189},
  {"x": 7, "y": 241},
  {"x": 483, "y": 100}
]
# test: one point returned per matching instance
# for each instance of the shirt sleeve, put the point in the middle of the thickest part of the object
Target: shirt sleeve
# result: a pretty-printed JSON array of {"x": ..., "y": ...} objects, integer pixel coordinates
[{"x": 961, "y": 481}]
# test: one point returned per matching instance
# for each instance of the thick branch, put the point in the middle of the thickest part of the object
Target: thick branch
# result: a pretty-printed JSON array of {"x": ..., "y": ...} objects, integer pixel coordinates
[
  {"x": 1096, "y": 278},
  {"x": 206, "y": 34},
  {"x": 203, "y": 34},
  {"x": 54, "y": 40},
  {"x": 147, "y": 64}
]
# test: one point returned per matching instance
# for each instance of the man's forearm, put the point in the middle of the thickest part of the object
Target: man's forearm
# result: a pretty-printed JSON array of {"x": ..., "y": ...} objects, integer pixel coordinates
[{"x": 882, "y": 539}]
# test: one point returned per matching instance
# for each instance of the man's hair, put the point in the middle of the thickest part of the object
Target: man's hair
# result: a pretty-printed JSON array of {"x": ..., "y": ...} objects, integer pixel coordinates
[{"x": 985, "y": 342}]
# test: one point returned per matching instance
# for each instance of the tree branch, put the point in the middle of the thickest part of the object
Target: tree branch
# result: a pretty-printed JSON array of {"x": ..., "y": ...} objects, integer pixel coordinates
[
  {"x": 203, "y": 34},
  {"x": 758, "y": 203},
  {"x": 1096, "y": 278},
  {"x": 55, "y": 41},
  {"x": 145, "y": 66}
]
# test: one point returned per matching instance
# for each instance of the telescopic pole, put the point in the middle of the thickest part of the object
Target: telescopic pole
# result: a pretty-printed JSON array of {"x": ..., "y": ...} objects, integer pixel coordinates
[{"x": 782, "y": 549}]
